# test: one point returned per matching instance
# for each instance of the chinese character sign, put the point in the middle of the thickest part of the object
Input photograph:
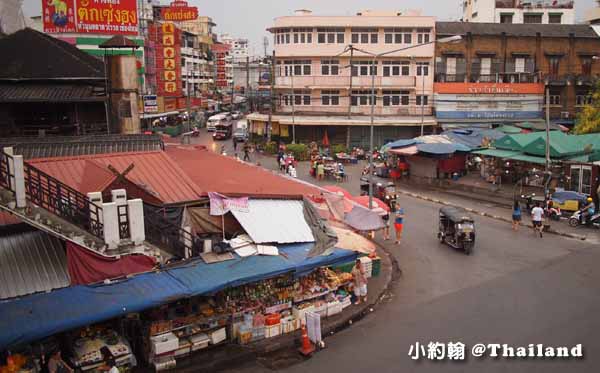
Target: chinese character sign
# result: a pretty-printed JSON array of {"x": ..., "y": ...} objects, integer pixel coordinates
[
  {"x": 91, "y": 16},
  {"x": 168, "y": 58},
  {"x": 179, "y": 11}
]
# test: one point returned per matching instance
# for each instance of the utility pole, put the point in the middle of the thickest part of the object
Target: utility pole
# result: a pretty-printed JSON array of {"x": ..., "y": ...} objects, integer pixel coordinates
[
  {"x": 271, "y": 100},
  {"x": 548, "y": 129},
  {"x": 422, "y": 100},
  {"x": 373, "y": 70}
]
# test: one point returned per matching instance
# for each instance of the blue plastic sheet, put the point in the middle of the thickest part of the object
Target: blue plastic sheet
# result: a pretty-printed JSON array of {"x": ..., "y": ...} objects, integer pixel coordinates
[{"x": 40, "y": 315}]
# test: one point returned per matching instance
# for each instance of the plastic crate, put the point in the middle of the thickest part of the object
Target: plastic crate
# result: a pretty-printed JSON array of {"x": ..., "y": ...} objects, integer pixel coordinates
[
  {"x": 376, "y": 269},
  {"x": 345, "y": 267}
]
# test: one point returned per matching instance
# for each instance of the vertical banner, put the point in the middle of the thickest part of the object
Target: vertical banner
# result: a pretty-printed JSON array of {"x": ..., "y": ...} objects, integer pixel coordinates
[{"x": 168, "y": 58}]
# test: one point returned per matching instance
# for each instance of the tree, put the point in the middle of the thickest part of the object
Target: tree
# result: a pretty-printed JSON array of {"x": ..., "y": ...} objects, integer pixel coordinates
[{"x": 588, "y": 120}]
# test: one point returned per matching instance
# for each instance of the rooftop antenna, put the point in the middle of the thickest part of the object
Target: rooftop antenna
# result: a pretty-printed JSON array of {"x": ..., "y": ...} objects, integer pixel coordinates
[{"x": 266, "y": 44}]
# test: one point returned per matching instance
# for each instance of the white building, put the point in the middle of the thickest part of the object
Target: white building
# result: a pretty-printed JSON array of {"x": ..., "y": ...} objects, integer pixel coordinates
[
  {"x": 239, "y": 47},
  {"x": 593, "y": 16},
  {"x": 520, "y": 11}
]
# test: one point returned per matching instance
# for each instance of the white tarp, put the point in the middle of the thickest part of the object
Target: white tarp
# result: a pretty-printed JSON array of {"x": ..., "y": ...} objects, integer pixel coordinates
[{"x": 275, "y": 221}]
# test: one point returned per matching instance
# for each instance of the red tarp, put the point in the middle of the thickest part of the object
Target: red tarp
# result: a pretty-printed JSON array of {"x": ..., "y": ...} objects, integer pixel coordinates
[
  {"x": 454, "y": 164},
  {"x": 86, "y": 267}
]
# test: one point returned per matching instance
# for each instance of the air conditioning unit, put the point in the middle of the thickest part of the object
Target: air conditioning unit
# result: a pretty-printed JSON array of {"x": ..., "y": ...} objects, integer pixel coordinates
[{"x": 564, "y": 115}]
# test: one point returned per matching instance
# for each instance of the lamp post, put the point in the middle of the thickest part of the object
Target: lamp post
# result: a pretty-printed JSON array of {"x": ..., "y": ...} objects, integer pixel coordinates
[{"x": 373, "y": 70}]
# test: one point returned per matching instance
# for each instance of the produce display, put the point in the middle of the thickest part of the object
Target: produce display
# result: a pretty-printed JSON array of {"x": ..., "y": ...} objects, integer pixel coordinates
[{"x": 87, "y": 349}]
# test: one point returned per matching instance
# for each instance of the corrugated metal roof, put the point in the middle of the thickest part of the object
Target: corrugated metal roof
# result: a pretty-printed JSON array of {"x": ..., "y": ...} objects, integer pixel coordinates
[
  {"x": 235, "y": 178},
  {"x": 68, "y": 146},
  {"x": 156, "y": 172},
  {"x": 19, "y": 92},
  {"x": 7, "y": 218},
  {"x": 518, "y": 30},
  {"x": 275, "y": 221},
  {"x": 31, "y": 262}
]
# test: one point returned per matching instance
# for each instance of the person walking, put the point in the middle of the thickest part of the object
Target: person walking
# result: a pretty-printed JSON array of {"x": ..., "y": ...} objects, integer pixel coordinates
[
  {"x": 537, "y": 216},
  {"x": 399, "y": 223},
  {"x": 234, "y": 145},
  {"x": 246, "y": 152},
  {"x": 320, "y": 171},
  {"x": 516, "y": 216},
  {"x": 386, "y": 228},
  {"x": 359, "y": 280}
]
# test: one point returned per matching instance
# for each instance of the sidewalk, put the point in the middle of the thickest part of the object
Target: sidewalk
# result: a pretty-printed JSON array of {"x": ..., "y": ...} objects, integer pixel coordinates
[{"x": 272, "y": 350}]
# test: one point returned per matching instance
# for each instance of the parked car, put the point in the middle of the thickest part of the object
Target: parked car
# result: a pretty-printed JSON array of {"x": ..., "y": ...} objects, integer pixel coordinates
[{"x": 240, "y": 135}]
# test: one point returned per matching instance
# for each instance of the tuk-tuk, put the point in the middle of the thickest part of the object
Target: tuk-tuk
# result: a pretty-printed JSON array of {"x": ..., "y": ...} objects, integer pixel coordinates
[
  {"x": 457, "y": 229},
  {"x": 223, "y": 131},
  {"x": 385, "y": 191}
]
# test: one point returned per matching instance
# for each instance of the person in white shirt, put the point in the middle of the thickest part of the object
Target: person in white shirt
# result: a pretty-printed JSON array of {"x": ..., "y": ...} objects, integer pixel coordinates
[{"x": 537, "y": 216}]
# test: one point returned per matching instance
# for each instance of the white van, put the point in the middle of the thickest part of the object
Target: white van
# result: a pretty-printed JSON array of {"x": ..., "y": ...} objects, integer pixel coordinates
[{"x": 217, "y": 119}]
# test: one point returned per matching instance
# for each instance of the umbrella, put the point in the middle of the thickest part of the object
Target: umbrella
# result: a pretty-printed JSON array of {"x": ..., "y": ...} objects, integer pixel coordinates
[
  {"x": 325, "y": 139},
  {"x": 353, "y": 241},
  {"x": 338, "y": 190},
  {"x": 364, "y": 201}
]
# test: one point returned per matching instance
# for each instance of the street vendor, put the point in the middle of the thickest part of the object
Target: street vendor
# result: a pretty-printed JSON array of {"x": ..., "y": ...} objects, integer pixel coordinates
[{"x": 359, "y": 280}]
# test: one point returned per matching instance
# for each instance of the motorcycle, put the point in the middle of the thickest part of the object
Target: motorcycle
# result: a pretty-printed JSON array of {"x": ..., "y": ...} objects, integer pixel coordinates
[{"x": 592, "y": 221}]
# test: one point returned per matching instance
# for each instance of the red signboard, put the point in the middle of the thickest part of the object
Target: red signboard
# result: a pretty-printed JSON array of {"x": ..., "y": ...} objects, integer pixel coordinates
[
  {"x": 489, "y": 88},
  {"x": 168, "y": 58},
  {"x": 179, "y": 11},
  {"x": 91, "y": 16}
]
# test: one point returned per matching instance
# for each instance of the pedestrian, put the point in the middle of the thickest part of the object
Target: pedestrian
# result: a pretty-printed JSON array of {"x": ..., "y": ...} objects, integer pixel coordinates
[
  {"x": 598, "y": 192},
  {"x": 537, "y": 215},
  {"x": 399, "y": 224},
  {"x": 320, "y": 171},
  {"x": 359, "y": 280},
  {"x": 110, "y": 366},
  {"x": 516, "y": 216},
  {"x": 57, "y": 365},
  {"x": 386, "y": 228},
  {"x": 246, "y": 152},
  {"x": 234, "y": 145}
]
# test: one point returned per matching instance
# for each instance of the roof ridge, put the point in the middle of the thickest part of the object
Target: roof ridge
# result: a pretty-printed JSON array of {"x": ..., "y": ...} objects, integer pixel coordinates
[
  {"x": 89, "y": 156},
  {"x": 59, "y": 43}
]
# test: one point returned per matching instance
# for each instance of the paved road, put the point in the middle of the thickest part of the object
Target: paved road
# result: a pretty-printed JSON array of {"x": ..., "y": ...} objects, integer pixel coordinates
[{"x": 516, "y": 288}]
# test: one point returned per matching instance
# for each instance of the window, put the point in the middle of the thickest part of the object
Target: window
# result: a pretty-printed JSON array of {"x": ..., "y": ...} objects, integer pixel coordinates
[
  {"x": 302, "y": 35},
  {"x": 555, "y": 96},
  {"x": 396, "y": 98},
  {"x": 362, "y": 98},
  {"x": 422, "y": 68},
  {"x": 506, "y": 18},
  {"x": 586, "y": 65},
  {"x": 422, "y": 100},
  {"x": 532, "y": 18},
  {"x": 553, "y": 64},
  {"x": 519, "y": 65},
  {"x": 555, "y": 18},
  {"x": 583, "y": 98},
  {"x": 363, "y": 68},
  {"x": 330, "y": 35},
  {"x": 396, "y": 68},
  {"x": 402, "y": 35},
  {"x": 486, "y": 66},
  {"x": 297, "y": 67},
  {"x": 423, "y": 35},
  {"x": 330, "y": 98},
  {"x": 298, "y": 98},
  {"x": 365, "y": 35},
  {"x": 330, "y": 67}
]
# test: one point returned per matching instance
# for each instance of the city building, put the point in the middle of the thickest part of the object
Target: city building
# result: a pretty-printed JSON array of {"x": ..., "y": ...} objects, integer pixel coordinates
[
  {"x": 593, "y": 15},
  {"x": 520, "y": 11},
  {"x": 223, "y": 70},
  {"x": 238, "y": 46},
  {"x": 499, "y": 72},
  {"x": 202, "y": 28},
  {"x": 322, "y": 87}
]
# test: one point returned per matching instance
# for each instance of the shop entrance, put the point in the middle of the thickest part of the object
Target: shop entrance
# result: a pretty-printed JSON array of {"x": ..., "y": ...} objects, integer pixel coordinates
[{"x": 581, "y": 179}]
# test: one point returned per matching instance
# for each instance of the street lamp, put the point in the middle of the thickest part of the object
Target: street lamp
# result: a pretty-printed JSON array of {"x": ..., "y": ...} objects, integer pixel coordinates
[{"x": 449, "y": 39}]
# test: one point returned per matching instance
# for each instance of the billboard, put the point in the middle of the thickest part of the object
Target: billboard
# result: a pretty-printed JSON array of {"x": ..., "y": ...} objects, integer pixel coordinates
[
  {"x": 91, "y": 16},
  {"x": 167, "y": 39},
  {"x": 179, "y": 11}
]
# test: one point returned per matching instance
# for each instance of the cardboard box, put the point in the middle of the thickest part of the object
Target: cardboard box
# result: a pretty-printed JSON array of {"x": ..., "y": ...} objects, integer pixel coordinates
[
  {"x": 218, "y": 336},
  {"x": 300, "y": 314},
  {"x": 164, "y": 343},
  {"x": 272, "y": 331}
]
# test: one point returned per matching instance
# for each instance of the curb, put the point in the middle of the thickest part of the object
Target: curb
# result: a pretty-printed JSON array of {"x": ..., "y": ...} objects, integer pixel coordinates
[{"x": 485, "y": 214}]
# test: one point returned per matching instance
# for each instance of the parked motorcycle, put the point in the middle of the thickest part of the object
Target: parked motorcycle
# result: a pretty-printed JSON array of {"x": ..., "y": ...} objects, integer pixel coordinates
[{"x": 592, "y": 221}]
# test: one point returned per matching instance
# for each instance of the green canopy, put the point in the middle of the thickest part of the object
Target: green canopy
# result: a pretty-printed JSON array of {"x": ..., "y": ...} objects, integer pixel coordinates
[
  {"x": 509, "y": 130},
  {"x": 498, "y": 153}
]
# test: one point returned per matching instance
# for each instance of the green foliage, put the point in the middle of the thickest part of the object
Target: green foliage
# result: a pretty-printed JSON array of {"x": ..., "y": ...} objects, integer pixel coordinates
[
  {"x": 300, "y": 151},
  {"x": 271, "y": 147},
  {"x": 338, "y": 148},
  {"x": 588, "y": 120}
]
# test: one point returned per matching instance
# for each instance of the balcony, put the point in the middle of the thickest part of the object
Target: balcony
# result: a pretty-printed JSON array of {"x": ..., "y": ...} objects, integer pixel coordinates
[
  {"x": 535, "y": 4},
  {"x": 505, "y": 78},
  {"x": 344, "y": 82},
  {"x": 450, "y": 78}
]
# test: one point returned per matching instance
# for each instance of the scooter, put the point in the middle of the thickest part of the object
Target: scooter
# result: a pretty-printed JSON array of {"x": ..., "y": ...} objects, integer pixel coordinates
[{"x": 592, "y": 221}]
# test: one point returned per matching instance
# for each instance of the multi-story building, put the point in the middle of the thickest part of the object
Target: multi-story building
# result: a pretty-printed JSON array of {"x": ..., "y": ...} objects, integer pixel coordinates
[
  {"x": 238, "y": 48},
  {"x": 321, "y": 85},
  {"x": 500, "y": 73},
  {"x": 202, "y": 28},
  {"x": 519, "y": 11},
  {"x": 593, "y": 16}
]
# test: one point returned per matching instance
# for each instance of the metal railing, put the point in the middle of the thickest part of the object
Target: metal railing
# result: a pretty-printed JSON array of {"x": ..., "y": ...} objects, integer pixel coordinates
[
  {"x": 169, "y": 237},
  {"x": 55, "y": 197},
  {"x": 123, "y": 219}
]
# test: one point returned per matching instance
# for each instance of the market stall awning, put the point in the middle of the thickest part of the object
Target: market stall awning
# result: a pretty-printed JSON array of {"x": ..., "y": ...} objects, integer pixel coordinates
[
  {"x": 498, "y": 153},
  {"x": 279, "y": 221},
  {"x": 398, "y": 144},
  {"x": 528, "y": 158},
  {"x": 411, "y": 150},
  {"x": 25, "y": 320}
]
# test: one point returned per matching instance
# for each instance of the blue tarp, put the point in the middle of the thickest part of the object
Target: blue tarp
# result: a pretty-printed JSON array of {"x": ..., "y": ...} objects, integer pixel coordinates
[
  {"x": 40, "y": 315},
  {"x": 437, "y": 148},
  {"x": 472, "y": 137},
  {"x": 398, "y": 144}
]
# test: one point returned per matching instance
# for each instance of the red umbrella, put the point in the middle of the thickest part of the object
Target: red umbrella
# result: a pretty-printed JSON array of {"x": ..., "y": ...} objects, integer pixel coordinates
[
  {"x": 338, "y": 190},
  {"x": 325, "y": 139},
  {"x": 364, "y": 201}
]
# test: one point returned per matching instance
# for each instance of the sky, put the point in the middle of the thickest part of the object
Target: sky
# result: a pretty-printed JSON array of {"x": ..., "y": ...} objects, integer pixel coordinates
[{"x": 250, "y": 18}]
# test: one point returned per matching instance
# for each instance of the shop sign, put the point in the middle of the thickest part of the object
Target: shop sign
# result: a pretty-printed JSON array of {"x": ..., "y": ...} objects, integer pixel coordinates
[
  {"x": 114, "y": 17},
  {"x": 179, "y": 11},
  {"x": 181, "y": 103},
  {"x": 170, "y": 104},
  {"x": 150, "y": 104},
  {"x": 168, "y": 59},
  {"x": 489, "y": 88}
]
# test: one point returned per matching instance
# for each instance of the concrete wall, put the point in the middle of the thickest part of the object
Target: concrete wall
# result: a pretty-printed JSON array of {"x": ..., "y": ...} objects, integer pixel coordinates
[{"x": 124, "y": 94}]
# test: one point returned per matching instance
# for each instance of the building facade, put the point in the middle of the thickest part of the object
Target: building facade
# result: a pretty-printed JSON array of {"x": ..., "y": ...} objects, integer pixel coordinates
[
  {"x": 593, "y": 15},
  {"x": 520, "y": 11},
  {"x": 500, "y": 73},
  {"x": 323, "y": 86},
  {"x": 238, "y": 48}
]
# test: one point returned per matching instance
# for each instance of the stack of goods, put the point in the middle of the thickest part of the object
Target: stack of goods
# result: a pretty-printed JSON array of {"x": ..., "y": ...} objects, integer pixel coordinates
[
  {"x": 299, "y": 311},
  {"x": 87, "y": 350},
  {"x": 272, "y": 325},
  {"x": 367, "y": 264},
  {"x": 277, "y": 292}
]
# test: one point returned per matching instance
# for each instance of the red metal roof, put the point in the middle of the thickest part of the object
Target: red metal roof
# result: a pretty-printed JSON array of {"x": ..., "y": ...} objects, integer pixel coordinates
[
  {"x": 216, "y": 173},
  {"x": 154, "y": 171},
  {"x": 7, "y": 218}
]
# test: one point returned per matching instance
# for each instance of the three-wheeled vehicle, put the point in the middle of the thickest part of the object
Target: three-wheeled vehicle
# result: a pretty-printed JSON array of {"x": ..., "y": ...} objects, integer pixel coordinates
[
  {"x": 223, "y": 131},
  {"x": 385, "y": 191},
  {"x": 457, "y": 229}
]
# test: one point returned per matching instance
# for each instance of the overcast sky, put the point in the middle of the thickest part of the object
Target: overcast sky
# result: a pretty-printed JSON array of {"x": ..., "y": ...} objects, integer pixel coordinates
[{"x": 250, "y": 18}]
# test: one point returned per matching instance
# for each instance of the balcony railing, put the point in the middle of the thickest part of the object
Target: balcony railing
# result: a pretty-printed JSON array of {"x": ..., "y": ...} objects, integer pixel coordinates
[
  {"x": 300, "y": 82},
  {"x": 169, "y": 237},
  {"x": 539, "y": 4}
]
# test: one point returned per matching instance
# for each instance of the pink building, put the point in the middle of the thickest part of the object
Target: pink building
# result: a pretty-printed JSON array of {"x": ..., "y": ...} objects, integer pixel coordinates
[{"x": 321, "y": 85}]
